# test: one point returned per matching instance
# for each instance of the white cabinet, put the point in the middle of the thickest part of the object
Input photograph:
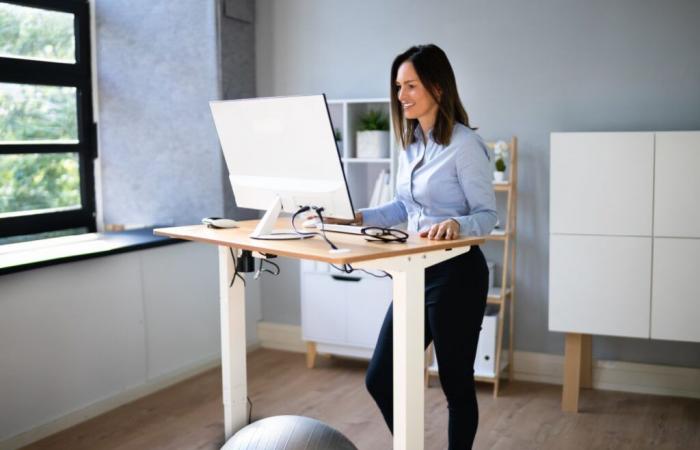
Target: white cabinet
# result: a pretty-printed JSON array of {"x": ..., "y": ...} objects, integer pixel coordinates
[
  {"x": 675, "y": 299},
  {"x": 677, "y": 185},
  {"x": 614, "y": 197},
  {"x": 343, "y": 310},
  {"x": 323, "y": 312},
  {"x": 343, "y": 313},
  {"x": 600, "y": 285},
  {"x": 602, "y": 183},
  {"x": 367, "y": 303}
]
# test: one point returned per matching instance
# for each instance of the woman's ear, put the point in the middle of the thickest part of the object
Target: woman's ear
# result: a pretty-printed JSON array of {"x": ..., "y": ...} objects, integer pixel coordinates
[{"x": 437, "y": 92}]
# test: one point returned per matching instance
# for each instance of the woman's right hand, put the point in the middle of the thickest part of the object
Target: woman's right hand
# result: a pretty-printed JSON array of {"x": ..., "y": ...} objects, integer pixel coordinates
[{"x": 334, "y": 221}]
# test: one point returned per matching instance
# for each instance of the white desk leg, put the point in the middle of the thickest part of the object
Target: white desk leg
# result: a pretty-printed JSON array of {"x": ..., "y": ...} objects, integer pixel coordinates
[
  {"x": 408, "y": 274},
  {"x": 233, "y": 345},
  {"x": 409, "y": 312}
]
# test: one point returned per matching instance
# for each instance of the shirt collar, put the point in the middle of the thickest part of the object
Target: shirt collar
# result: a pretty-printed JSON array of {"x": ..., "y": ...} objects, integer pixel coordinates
[{"x": 418, "y": 133}]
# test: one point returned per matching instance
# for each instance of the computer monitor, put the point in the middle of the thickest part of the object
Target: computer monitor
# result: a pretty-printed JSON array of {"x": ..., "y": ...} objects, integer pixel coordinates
[{"x": 281, "y": 155}]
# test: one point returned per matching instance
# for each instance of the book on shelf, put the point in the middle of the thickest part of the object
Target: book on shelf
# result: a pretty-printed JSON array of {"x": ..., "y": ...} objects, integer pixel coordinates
[
  {"x": 385, "y": 195},
  {"x": 380, "y": 185}
]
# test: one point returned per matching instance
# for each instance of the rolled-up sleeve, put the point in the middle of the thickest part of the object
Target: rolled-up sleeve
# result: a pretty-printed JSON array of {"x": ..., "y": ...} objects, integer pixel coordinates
[{"x": 386, "y": 215}]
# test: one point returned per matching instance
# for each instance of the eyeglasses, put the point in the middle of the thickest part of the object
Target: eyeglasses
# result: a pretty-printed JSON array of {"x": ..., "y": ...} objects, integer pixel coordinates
[{"x": 379, "y": 234}]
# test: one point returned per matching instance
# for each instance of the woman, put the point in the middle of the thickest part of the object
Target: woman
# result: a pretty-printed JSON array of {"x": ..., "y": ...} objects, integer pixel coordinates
[{"x": 443, "y": 191}]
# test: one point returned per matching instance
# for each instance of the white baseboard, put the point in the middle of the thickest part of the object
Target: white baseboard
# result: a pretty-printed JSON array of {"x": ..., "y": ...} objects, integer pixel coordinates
[
  {"x": 73, "y": 418},
  {"x": 546, "y": 368}
]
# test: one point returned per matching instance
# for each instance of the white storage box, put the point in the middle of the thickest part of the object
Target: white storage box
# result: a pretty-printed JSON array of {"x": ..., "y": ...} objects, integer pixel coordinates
[
  {"x": 485, "y": 361},
  {"x": 492, "y": 267}
]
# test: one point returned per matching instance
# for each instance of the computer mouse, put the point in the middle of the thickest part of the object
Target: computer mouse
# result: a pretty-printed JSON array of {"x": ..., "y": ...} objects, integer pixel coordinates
[
  {"x": 310, "y": 223},
  {"x": 218, "y": 222}
]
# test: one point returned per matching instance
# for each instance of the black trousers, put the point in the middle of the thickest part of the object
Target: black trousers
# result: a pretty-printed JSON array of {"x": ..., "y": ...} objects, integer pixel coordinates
[{"x": 455, "y": 299}]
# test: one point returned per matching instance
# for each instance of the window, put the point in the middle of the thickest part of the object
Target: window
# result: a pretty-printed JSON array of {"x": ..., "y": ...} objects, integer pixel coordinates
[{"x": 47, "y": 134}]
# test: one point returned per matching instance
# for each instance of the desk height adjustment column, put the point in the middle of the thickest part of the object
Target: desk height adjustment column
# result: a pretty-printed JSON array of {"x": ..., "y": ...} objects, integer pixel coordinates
[
  {"x": 408, "y": 273},
  {"x": 233, "y": 344}
]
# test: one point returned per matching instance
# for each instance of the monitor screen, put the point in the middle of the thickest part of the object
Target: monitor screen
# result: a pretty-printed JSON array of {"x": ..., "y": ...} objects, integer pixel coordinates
[{"x": 282, "y": 149}]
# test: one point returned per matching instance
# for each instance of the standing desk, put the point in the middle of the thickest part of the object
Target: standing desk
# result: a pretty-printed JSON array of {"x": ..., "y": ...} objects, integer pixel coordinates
[{"x": 405, "y": 262}]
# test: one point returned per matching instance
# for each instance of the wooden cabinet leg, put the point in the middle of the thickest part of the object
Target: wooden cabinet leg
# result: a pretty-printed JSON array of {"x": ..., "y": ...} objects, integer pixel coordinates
[
  {"x": 572, "y": 372},
  {"x": 310, "y": 354},
  {"x": 586, "y": 361}
]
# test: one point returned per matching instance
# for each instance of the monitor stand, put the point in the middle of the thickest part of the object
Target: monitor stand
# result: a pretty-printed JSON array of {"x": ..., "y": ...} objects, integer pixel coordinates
[{"x": 265, "y": 229}]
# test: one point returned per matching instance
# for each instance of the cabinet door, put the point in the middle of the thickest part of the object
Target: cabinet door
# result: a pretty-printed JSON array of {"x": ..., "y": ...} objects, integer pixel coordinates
[
  {"x": 675, "y": 300},
  {"x": 600, "y": 285},
  {"x": 323, "y": 309},
  {"x": 677, "y": 185},
  {"x": 368, "y": 301},
  {"x": 601, "y": 183}
]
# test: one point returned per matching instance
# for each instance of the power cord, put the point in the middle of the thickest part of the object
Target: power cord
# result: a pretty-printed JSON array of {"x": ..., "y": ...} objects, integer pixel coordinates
[
  {"x": 346, "y": 268},
  {"x": 319, "y": 212},
  {"x": 236, "y": 273},
  {"x": 261, "y": 269}
]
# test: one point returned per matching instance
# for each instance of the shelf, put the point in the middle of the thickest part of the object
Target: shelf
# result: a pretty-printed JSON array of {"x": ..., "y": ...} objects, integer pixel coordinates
[
  {"x": 491, "y": 377},
  {"x": 501, "y": 186},
  {"x": 497, "y": 235},
  {"x": 483, "y": 377},
  {"x": 358, "y": 100},
  {"x": 367, "y": 160},
  {"x": 494, "y": 295}
]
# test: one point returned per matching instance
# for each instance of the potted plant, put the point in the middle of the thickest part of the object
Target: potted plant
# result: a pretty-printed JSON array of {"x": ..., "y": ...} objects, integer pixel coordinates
[
  {"x": 338, "y": 139},
  {"x": 373, "y": 135},
  {"x": 500, "y": 151}
]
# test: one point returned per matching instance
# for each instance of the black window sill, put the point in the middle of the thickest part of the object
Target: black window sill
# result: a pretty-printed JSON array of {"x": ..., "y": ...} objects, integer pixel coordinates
[{"x": 49, "y": 252}]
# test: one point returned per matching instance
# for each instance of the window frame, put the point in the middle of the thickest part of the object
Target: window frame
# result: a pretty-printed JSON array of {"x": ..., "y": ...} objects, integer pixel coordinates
[{"x": 79, "y": 76}]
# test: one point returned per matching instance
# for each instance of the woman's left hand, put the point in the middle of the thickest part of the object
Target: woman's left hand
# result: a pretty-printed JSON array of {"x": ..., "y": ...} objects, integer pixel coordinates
[{"x": 448, "y": 230}]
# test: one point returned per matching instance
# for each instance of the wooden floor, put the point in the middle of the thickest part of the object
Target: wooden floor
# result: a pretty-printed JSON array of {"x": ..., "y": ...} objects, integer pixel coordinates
[{"x": 526, "y": 416}]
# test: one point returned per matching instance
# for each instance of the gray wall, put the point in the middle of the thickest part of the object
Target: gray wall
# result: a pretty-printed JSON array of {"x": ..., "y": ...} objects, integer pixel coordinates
[
  {"x": 237, "y": 44},
  {"x": 523, "y": 68},
  {"x": 157, "y": 67},
  {"x": 159, "y": 63}
]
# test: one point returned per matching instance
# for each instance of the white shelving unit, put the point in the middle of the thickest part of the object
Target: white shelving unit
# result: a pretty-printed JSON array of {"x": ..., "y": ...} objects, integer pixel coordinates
[
  {"x": 341, "y": 314},
  {"x": 361, "y": 172}
]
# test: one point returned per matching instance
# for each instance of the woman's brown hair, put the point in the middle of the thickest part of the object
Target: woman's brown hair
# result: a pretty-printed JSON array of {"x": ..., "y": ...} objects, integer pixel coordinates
[{"x": 435, "y": 73}]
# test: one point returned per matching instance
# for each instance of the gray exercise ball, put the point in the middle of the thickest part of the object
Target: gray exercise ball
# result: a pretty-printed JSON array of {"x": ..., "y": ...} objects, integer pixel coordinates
[{"x": 288, "y": 433}]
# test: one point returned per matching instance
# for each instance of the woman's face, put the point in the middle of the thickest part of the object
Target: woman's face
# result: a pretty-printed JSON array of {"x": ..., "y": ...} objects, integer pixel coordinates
[{"x": 415, "y": 99}]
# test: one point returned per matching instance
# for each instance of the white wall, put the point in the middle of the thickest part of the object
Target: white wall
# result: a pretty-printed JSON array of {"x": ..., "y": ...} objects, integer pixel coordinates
[
  {"x": 523, "y": 68},
  {"x": 77, "y": 334}
]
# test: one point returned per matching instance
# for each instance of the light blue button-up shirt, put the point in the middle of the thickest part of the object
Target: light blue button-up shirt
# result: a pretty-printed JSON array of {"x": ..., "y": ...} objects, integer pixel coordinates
[{"x": 436, "y": 182}]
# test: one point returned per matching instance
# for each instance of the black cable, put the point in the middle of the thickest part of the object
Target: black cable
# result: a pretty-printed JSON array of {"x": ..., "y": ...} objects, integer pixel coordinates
[
  {"x": 250, "y": 413},
  {"x": 347, "y": 268},
  {"x": 261, "y": 270},
  {"x": 319, "y": 211},
  {"x": 236, "y": 273},
  {"x": 386, "y": 274},
  {"x": 269, "y": 271}
]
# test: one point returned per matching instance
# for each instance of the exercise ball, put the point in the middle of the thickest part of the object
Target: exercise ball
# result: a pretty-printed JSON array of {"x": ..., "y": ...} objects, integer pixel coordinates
[{"x": 288, "y": 433}]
